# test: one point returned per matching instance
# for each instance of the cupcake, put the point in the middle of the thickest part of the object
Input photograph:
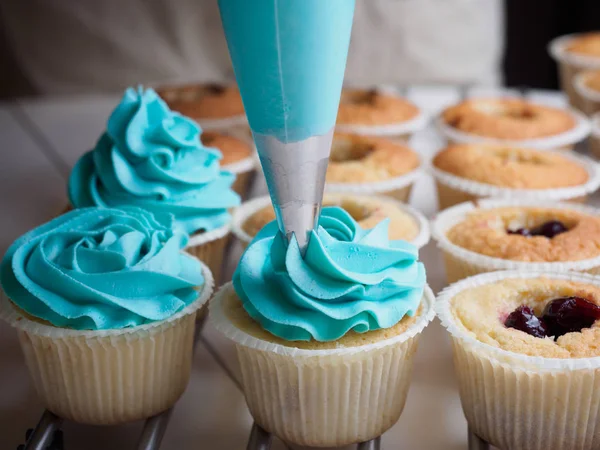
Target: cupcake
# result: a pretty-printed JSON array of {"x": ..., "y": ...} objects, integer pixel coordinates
[
  {"x": 214, "y": 106},
  {"x": 573, "y": 54},
  {"x": 587, "y": 86},
  {"x": 404, "y": 222},
  {"x": 238, "y": 158},
  {"x": 465, "y": 172},
  {"x": 378, "y": 112},
  {"x": 152, "y": 158},
  {"x": 104, "y": 302},
  {"x": 371, "y": 165},
  {"x": 522, "y": 235},
  {"x": 512, "y": 121},
  {"x": 326, "y": 341},
  {"x": 527, "y": 358}
]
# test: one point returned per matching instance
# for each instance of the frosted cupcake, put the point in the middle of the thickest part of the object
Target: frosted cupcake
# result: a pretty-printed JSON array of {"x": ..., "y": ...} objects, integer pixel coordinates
[
  {"x": 104, "y": 302},
  {"x": 152, "y": 158},
  {"x": 405, "y": 222},
  {"x": 527, "y": 358},
  {"x": 326, "y": 341},
  {"x": 378, "y": 112},
  {"x": 371, "y": 165}
]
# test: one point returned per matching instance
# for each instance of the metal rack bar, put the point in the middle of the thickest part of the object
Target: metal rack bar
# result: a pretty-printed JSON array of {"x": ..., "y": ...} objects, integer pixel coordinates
[
  {"x": 476, "y": 443},
  {"x": 154, "y": 431},
  {"x": 43, "y": 434},
  {"x": 261, "y": 440}
]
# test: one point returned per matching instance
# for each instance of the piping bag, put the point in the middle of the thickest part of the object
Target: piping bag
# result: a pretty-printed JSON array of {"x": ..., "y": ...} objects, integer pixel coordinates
[{"x": 289, "y": 58}]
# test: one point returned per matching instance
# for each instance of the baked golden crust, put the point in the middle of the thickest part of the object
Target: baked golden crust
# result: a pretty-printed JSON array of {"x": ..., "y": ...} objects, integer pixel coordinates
[
  {"x": 203, "y": 101},
  {"x": 240, "y": 318},
  {"x": 232, "y": 148},
  {"x": 587, "y": 44},
  {"x": 510, "y": 119},
  {"x": 481, "y": 311},
  {"x": 365, "y": 159},
  {"x": 591, "y": 80},
  {"x": 367, "y": 211},
  {"x": 370, "y": 107},
  {"x": 510, "y": 167},
  {"x": 485, "y": 232}
]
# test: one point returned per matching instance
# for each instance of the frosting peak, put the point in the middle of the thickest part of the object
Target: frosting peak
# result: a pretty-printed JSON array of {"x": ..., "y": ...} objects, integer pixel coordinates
[
  {"x": 97, "y": 268},
  {"x": 349, "y": 279},
  {"x": 152, "y": 157}
]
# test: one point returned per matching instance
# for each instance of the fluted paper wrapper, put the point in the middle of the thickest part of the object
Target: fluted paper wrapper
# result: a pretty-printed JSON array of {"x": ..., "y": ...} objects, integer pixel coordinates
[
  {"x": 590, "y": 99},
  {"x": 108, "y": 377},
  {"x": 453, "y": 189},
  {"x": 324, "y": 398},
  {"x": 595, "y": 136},
  {"x": 569, "y": 65},
  {"x": 209, "y": 247},
  {"x": 561, "y": 141},
  {"x": 249, "y": 208},
  {"x": 461, "y": 263},
  {"x": 235, "y": 126},
  {"x": 515, "y": 401}
]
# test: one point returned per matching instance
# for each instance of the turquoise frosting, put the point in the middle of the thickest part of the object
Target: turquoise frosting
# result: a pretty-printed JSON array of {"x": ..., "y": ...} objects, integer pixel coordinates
[
  {"x": 153, "y": 158},
  {"x": 349, "y": 279},
  {"x": 97, "y": 268}
]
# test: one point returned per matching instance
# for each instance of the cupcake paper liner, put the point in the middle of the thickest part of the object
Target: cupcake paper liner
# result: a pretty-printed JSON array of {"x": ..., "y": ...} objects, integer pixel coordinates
[
  {"x": 453, "y": 189},
  {"x": 590, "y": 99},
  {"x": 515, "y": 401},
  {"x": 106, "y": 377},
  {"x": 324, "y": 398},
  {"x": 569, "y": 65},
  {"x": 209, "y": 247},
  {"x": 461, "y": 263},
  {"x": 247, "y": 209},
  {"x": 237, "y": 126},
  {"x": 562, "y": 141},
  {"x": 595, "y": 136}
]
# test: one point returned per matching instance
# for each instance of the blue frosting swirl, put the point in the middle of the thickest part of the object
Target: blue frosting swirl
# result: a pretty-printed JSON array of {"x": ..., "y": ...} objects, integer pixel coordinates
[
  {"x": 97, "y": 268},
  {"x": 349, "y": 279},
  {"x": 153, "y": 158}
]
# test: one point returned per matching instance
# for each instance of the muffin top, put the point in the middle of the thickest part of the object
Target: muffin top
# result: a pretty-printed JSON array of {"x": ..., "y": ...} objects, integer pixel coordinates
[
  {"x": 203, "y": 101},
  {"x": 371, "y": 107},
  {"x": 365, "y": 159},
  {"x": 508, "y": 119},
  {"x": 531, "y": 234},
  {"x": 233, "y": 149},
  {"x": 591, "y": 80},
  {"x": 367, "y": 211},
  {"x": 587, "y": 44},
  {"x": 544, "y": 317},
  {"x": 510, "y": 167}
]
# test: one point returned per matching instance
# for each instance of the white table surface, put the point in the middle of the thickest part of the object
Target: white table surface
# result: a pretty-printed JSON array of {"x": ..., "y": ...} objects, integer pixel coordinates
[{"x": 41, "y": 139}]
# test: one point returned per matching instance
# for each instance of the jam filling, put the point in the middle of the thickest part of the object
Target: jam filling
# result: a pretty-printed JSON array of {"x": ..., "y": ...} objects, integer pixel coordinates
[
  {"x": 548, "y": 229},
  {"x": 561, "y": 316}
]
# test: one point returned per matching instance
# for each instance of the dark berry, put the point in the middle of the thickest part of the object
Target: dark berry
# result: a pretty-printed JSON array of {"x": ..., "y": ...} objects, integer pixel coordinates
[
  {"x": 549, "y": 229},
  {"x": 568, "y": 314},
  {"x": 520, "y": 231},
  {"x": 525, "y": 320}
]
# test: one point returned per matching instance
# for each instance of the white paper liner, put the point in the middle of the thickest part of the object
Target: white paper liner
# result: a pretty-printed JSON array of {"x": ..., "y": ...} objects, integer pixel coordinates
[
  {"x": 583, "y": 90},
  {"x": 376, "y": 187},
  {"x": 223, "y": 124},
  {"x": 533, "y": 363},
  {"x": 14, "y": 318},
  {"x": 241, "y": 166},
  {"x": 483, "y": 190},
  {"x": 247, "y": 209},
  {"x": 222, "y": 323},
  {"x": 557, "y": 46},
  {"x": 445, "y": 220},
  {"x": 208, "y": 236},
  {"x": 561, "y": 140},
  {"x": 405, "y": 128}
]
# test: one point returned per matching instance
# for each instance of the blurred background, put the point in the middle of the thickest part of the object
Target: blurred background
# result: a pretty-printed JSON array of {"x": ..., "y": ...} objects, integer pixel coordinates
[{"x": 55, "y": 47}]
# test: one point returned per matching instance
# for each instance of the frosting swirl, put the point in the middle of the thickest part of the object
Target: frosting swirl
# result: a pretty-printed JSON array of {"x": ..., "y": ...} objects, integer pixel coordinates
[
  {"x": 97, "y": 268},
  {"x": 153, "y": 158},
  {"x": 349, "y": 279}
]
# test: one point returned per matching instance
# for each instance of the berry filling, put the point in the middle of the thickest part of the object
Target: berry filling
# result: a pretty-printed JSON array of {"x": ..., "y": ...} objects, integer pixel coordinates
[
  {"x": 561, "y": 316},
  {"x": 548, "y": 229}
]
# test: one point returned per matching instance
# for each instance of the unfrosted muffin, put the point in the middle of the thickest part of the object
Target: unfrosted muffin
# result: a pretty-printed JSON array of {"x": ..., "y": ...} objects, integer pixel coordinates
[
  {"x": 587, "y": 85},
  {"x": 527, "y": 357},
  {"x": 508, "y": 119},
  {"x": 465, "y": 172},
  {"x": 378, "y": 113},
  {"x": 508, "y": 234},
  {"x": 587, "y": 44}
]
